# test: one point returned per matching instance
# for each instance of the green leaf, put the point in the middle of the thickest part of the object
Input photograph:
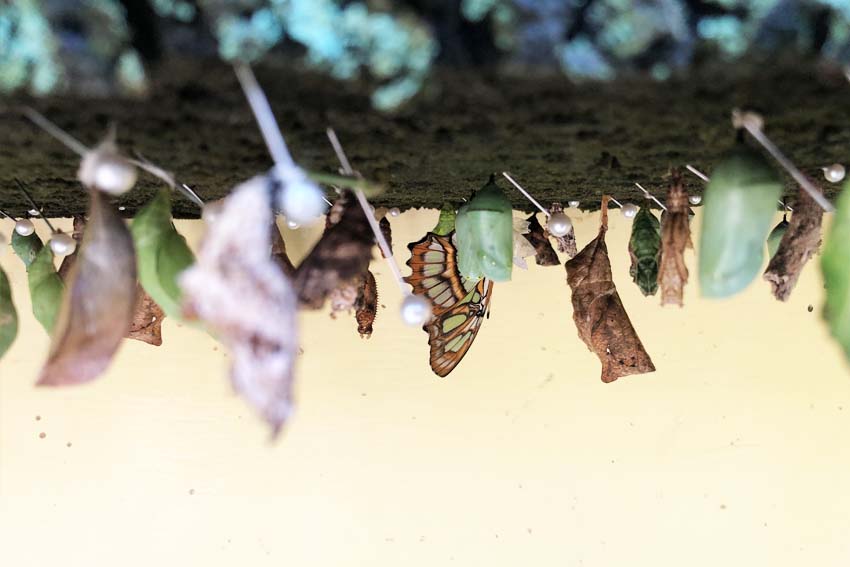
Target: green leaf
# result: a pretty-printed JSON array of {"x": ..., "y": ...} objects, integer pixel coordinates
[
  {"x": 739, "y": 205},
  {"x": 644, "y": 249},
  {"x": 446, "y": 223},
  {"x": 775, "y": 237},
  {"x": 8, "y": 315},
  {"x": 46, "y": 289},
  {"x": 485, "y": 237},
  {"x": 835, "y": 264},
  {"x": 26, "y": 247},
  {"x": 162, "y": 253}
]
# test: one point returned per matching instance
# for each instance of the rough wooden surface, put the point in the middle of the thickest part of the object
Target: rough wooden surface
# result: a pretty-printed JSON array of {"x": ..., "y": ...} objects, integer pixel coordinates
[{"x": 561, "y": 141}]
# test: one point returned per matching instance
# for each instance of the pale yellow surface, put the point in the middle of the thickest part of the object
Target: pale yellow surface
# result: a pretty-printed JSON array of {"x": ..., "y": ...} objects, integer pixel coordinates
[{"x": 735, "y": 452}]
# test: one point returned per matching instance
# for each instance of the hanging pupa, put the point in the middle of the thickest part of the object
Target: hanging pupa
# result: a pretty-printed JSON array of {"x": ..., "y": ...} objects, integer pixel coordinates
[
  {"x": 484, "y": 232},
  {"x": 645, "y": 251},
  {"x": 738, "y": 207}
]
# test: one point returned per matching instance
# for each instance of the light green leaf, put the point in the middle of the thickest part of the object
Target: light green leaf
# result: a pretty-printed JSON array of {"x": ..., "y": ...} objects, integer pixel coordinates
[
  {"x": 446, "y": 223},
  {"x": 162, "y": 253},
  {"x": 46, "y": 289},
  {"x": 8, "y": 315},
  {"x": 26, "y": 247},
  {"x": 775, "y": 237},
  {"x": 835, "y": 264}
]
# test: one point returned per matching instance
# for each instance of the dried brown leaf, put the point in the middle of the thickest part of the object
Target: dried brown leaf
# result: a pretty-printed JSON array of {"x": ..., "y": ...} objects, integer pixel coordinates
[
  {"x": 343, "y": 253},
  {"x": 147, "y": 319},
  {"x": 598, "y": 312},
  {"x": 98, "y": 303},
  {"x": 387, "y": 231},
  {"x": 675, "y": 238},
  {"x": 241, "y": 294},
  {"x": 567, "y": 243},
  {"x": 68, "y": 261},
  {"x": 366, "y": 304},
  {"x": 544, "y": 254},
  {"x": 799, "y": 243}
]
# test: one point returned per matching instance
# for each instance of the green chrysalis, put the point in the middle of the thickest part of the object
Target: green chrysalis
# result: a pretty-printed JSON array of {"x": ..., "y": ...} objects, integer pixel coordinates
[
  {"x": 775, "y": 237},
  {"x": 26, "y": 247},
  {"x": 836, "y": 272},
  {"x": 46, "y": 289},
  {"x": 485, "y": 235},
  {"x": 8, "y": 315},
  {"x": 644, "y": 249},
  {"x": 446, "y": 223},
  {"x": 162, "y": 253},
  {"x": 739, "y": 205}
]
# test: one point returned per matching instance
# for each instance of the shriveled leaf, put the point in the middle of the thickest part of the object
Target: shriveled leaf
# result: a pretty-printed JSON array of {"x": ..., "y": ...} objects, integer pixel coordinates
[
  {"x": 675, "y": 238},
  {"x": 98, "y": 303},
  {"x": 800, "y": 242},
  {"x": 484, "y": 233},
  {"x": 8, "y": 315},
  {"x": 147, "y": 319},
  {"x": 387, "y": 231},
  {"x": 162, "y": 253},
  {"x": 599, "y": 315},
  {"x": 46, "y": 289},
  {"x": 836, "y": 272},
  {"x": 567, "y": 243},
  {"x": 279, "y": 254},
  {"x": 343, "y": 253},
  {"x": 544, "y": 254},
  {"x": 645, "y": 251},
  {"x": 738, "y": 208},
  {"x": 241, "y": 294},
  {"x": 366, "y": 305},
  {"x": 26, "y": 247}
]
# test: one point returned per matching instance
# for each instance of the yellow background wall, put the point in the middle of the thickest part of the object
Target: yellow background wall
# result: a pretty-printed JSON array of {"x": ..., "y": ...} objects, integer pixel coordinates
[{"x": 735, "y": 452}]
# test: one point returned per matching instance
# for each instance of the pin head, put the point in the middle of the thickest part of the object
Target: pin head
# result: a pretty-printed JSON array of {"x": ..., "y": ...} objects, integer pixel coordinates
[
  {"x": 292, "y": 225},
  {"x": 695, "y": 199},
  {"x": 629, "y": 210},
  {"x": 394, "y": 212},
  {"x": 415, "y": 310},
  {"x": 24, "y": 227},
  {"x": 106, "y": 170},
  {"x": 62, "y": 244},
  {"x": 573, "y": 204},
  {"x": 300, "y": 200},
  {"x": 834, "y": 173},
  {"x": 559, "y": 225}
]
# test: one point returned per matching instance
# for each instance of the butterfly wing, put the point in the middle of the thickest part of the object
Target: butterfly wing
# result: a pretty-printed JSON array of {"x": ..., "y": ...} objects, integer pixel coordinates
[
  {"x": 459, "y": 305},
  {"x": 451, "y": 334}
]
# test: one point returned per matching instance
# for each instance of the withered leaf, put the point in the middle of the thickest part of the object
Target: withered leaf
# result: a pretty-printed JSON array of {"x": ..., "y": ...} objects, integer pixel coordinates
[
  {"x": 598, "y": 312},
  {"x": 343, "y": 253},
  {"x": 544, "y": 254},
  {"x": 241, "y": 294},
  {"x": 567, "y": 243},
  {"x": 279, "y": 254},
  {"x": 366, "y": 304},
  {"x": 799, "y": 243},
  {"x": 147, "y": 319},
  {"x": 98, "y": 303},
  {"x": 675, "y": 237}
]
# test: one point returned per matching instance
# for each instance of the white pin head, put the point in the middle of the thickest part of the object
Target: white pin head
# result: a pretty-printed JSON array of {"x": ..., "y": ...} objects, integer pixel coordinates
[
  {"x": 629, "y": 210},
  {"x": 415, "y": 310},
  {"x": 695, "y": 199},
  {"x": 24, "y": 227},
  {"x": 292, "y": 225},
  {"x": 106, "y": 170},
  {"x": 300, "y": 200},
  {"x": 559, "y": 225},
  {"x": 394, "y": 212},
  {"x": 62, "y": 244},
  {"x": 834, "y": 173},
  {"x": 573, "y": 204}
]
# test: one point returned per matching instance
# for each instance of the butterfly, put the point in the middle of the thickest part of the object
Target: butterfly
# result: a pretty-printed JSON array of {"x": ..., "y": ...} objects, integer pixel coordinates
[{"x": 459, "y": 304}]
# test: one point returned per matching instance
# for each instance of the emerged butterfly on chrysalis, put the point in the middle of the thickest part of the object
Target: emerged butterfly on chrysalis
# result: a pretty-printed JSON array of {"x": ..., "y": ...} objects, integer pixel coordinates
[{"x": 459, "y": 304}]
